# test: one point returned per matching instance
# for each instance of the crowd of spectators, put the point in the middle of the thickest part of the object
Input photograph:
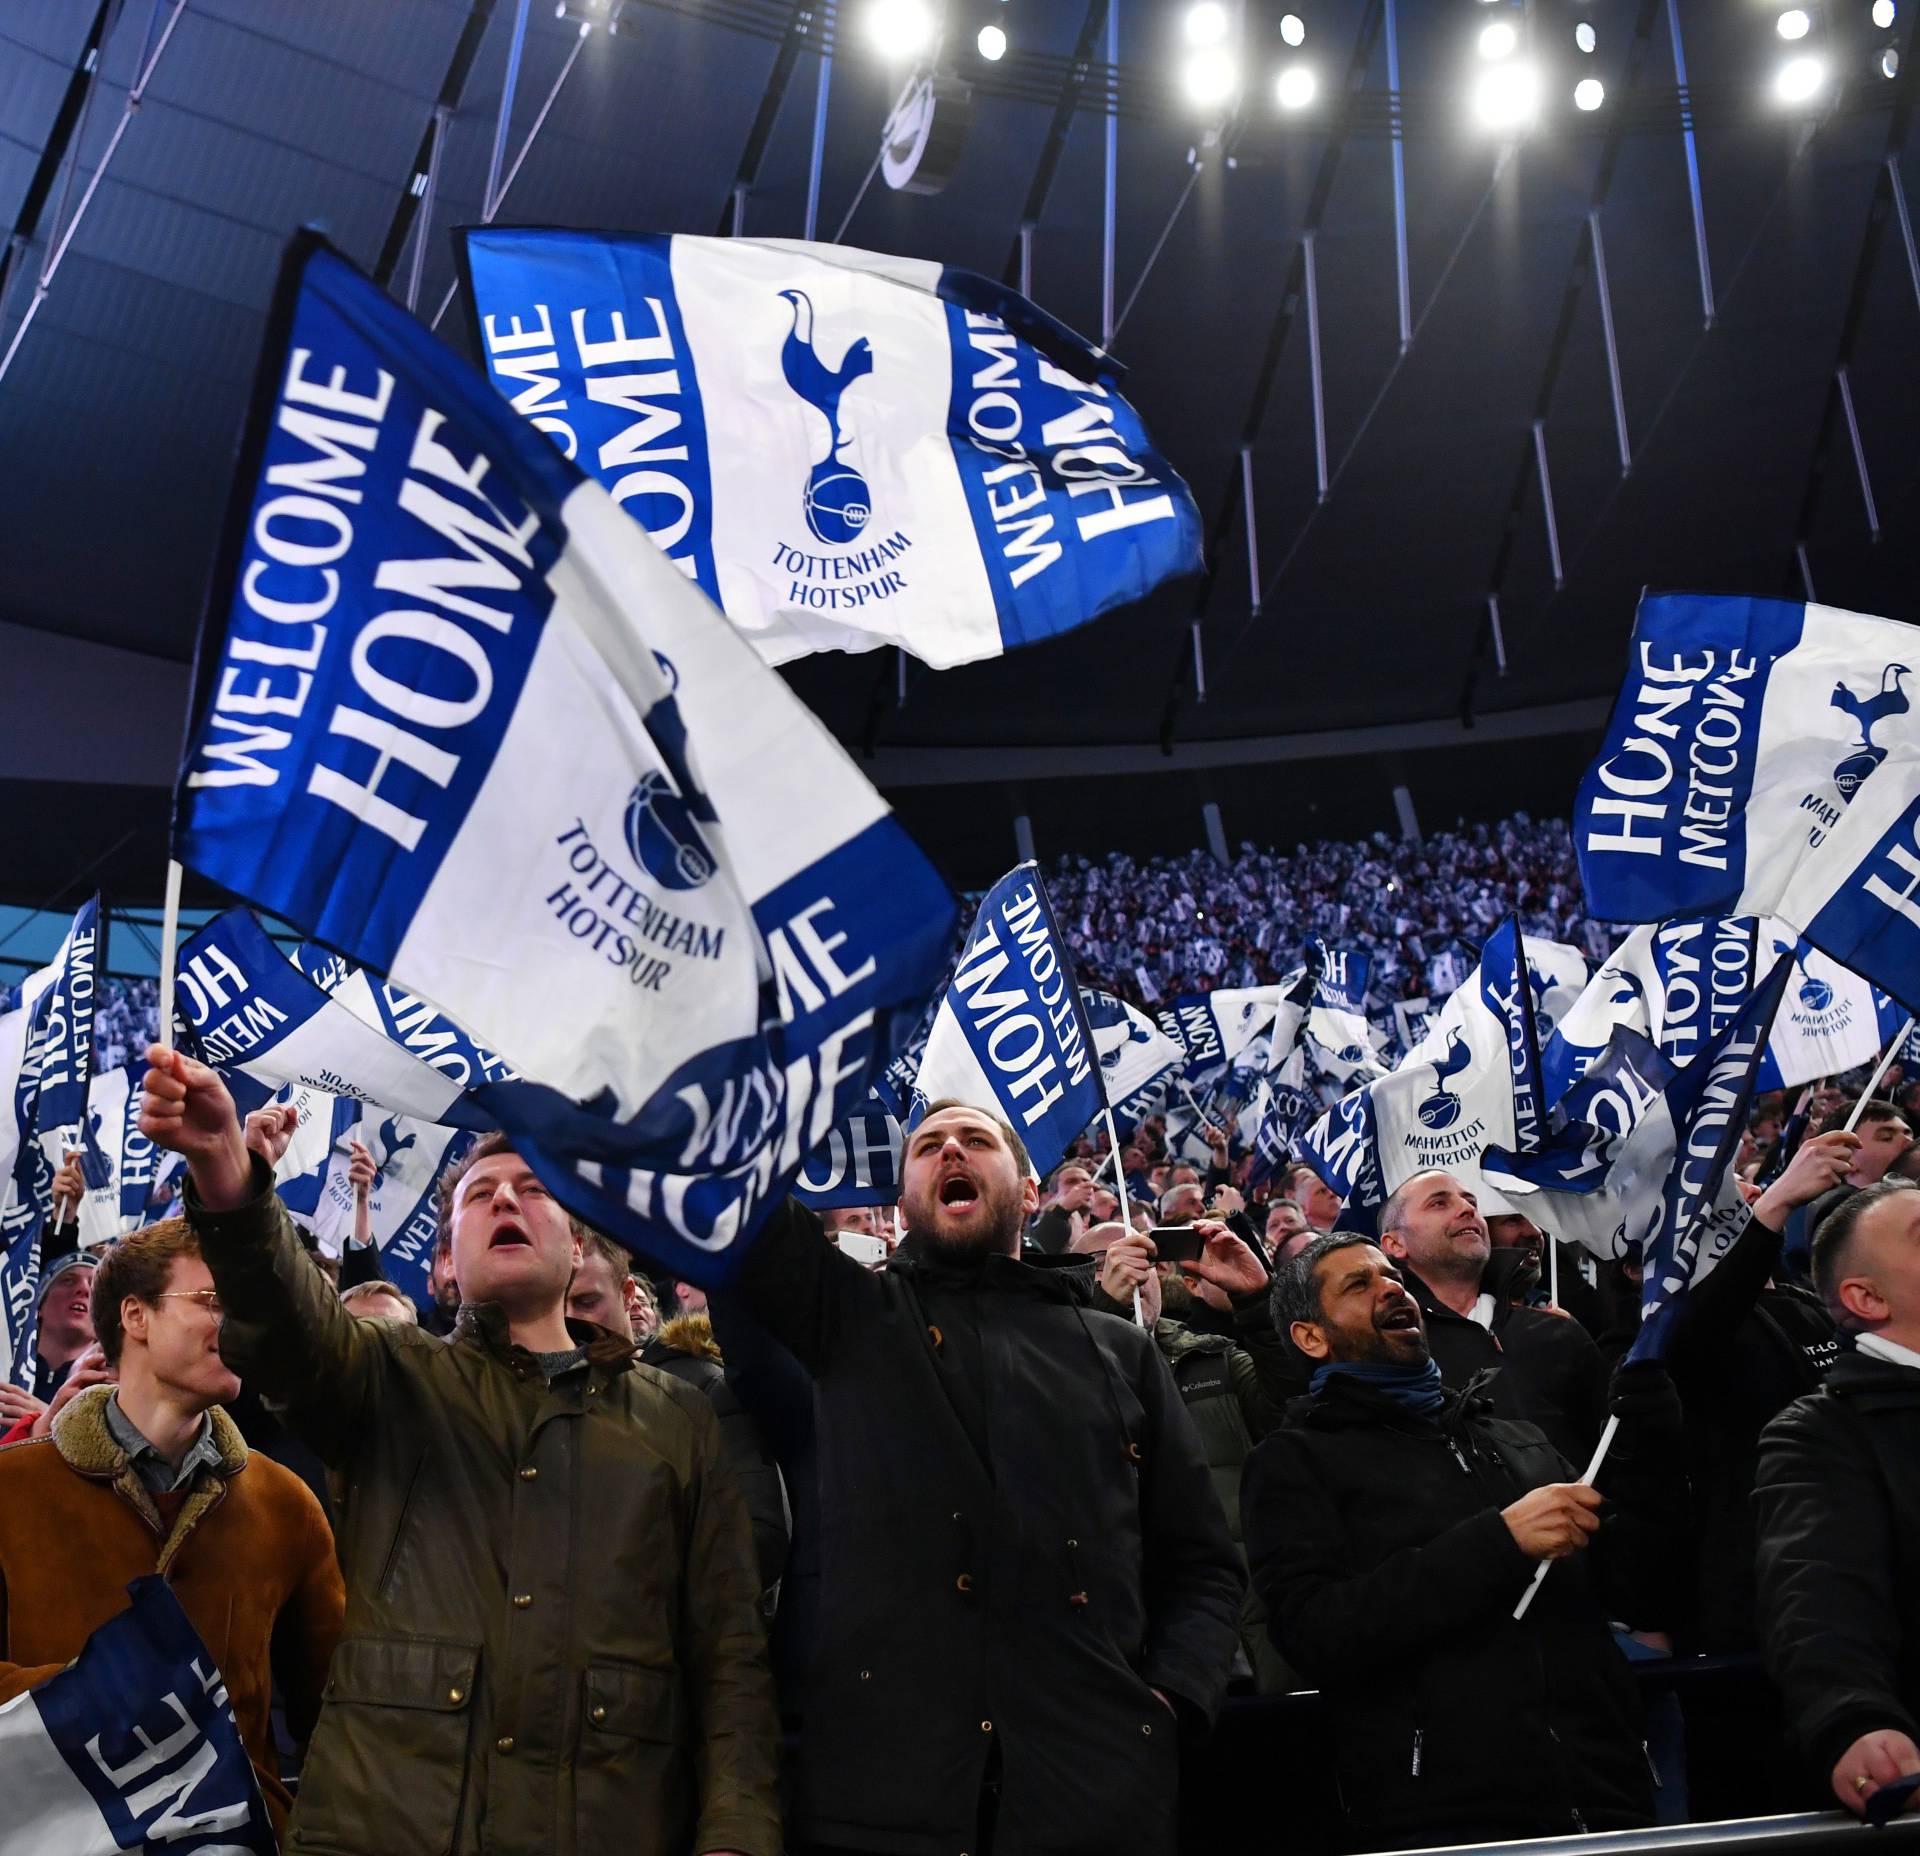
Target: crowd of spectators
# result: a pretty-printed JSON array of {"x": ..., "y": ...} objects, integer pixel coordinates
[{"x": 997, "y": 1521}]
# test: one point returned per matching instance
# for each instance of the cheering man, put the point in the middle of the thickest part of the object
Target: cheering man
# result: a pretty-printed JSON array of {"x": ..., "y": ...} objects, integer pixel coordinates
[
  {"x": 1027, "y": 1585},
  {"x": 552, "y": 1639}
]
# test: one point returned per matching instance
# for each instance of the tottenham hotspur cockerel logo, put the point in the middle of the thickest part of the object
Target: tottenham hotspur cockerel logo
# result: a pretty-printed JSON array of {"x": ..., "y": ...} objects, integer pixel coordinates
[
  {"x": 1442, "y": 1109},
  {"x": 1868, "y": 713},
  {"x": 837, "y": 502}
]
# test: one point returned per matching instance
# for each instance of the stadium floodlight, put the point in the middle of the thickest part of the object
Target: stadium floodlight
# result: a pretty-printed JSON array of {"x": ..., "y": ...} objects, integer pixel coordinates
[
  {"x": 1889, "y": 63},
  {"x": 1583, "y": 37},
  {"x": 1884, "y": 13},
  {"x": 1589, "y": 94},
  {"x": 1800, "y": 80},
  {"x": 992, "y": 44},
  {"x": 1211, "y": 76},
  {"x": 1498, "y": 40},
  {"x": 900, "y": 28},
  {"x": 1206, "y": 23},
  {"x": 1296, "y": 88},
  {"x": 1794, "y": 23},
  {"x": 1507, "y": 97},
  {"x": 1293, "y": 28}
]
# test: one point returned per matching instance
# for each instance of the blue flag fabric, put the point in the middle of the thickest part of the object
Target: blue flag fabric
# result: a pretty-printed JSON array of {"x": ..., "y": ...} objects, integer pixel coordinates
[
  {"x": 265, "y": 1021},
  {"x": 1011, "y": 1032},
  {"x": 857, "y": 1164},
  {"x": 1343, "y": 1147},
  {"x": 468, "y": 727},
  {"x": 133, "y": 1746},
  {"x": 1763, "y": 758},
  {"x": 843, "y": 450}
]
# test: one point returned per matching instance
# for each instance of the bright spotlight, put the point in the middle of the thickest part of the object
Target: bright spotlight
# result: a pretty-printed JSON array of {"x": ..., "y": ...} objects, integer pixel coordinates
[
  {"x": 1206, "y": 23},
  {"x": 1589, "y": 94},
  {"x": 992, "y": 44},
  {"x": 899, "y": 28},
  {"x": 1507, "y": 96},
  {"x": 1799, "y": 80},
  {"x": 1498, "y": 40},
  {"x": 1210, "y": 77},
  {"x": 1884, "y": 13},
  {"x": 1794, "y": 23},
  {"x": 1293, "y": 28},
  {"x": 1296, "y": 88},
  {"x": 1583, "y": 37},
  {"x": 1889, "y": 65}
]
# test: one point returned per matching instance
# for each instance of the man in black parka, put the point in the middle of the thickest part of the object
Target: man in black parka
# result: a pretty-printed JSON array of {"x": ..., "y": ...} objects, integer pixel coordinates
[
  {"x": 1027, "y": 1584},
  {"x": 1393, "y": 1524},
  {"x": 1837, "y": 1500}
]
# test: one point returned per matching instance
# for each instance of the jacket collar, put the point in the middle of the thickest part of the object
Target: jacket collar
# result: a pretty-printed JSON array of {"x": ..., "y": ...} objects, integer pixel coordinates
[
  {"x": 1875, "y": 1385},
  {"x": 89, "y": 1449},
  {"x": 1433, "y": 1309},
  {"x": 484, "y": 1325},
  {"x": 1050, "y": 1278},
  {"x": 1352, "y": 1404}
]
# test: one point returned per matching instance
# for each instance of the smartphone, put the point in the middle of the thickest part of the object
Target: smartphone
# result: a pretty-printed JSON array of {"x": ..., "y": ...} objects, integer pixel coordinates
[{"x": 1176, "y": 1243}]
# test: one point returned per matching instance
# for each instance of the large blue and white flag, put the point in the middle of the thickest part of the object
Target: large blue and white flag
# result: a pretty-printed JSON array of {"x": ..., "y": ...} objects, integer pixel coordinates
[
  {"x": 1134, "y": 1052},
  {"x": 60, "y": 1041},
  {"x": 469, "y": 727},
  {"x": 409, "y": 1157},
  {"x": 1189, "y": 1018},
  {"x": 121, "y": 1165},
  {"x": 1679, "y": 983},
  {"x": 857, "y": 1164},
  {"x": 1763, "y": 758},
  {"x": 1644, "y": 1166},
  {"x": 266, "y": 1022},
  {"x": 22, "y": 1226},
  {"x": 1559, "y": 975},
  {"x": 1285, "y": 1106},
  {"x": 1011, "y": 1033},
  {"x": 1830, "y": 1020},
  {"x": 132, "y": 1746},
  {"x": 1344, "y": 1046},
  {"x": 843, "y": 450},
  {"x": 1343, "y": 1147}
]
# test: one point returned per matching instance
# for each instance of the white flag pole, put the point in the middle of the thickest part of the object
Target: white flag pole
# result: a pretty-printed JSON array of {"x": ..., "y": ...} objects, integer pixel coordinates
[
  {"x": 1593, "y": 1469},
  {"x": 1126, "y": 1210},
  {"x": 1553, "y": 1268},
  {"x": 169, "y": 934},
  {"x": 1880, "y": 1069}
]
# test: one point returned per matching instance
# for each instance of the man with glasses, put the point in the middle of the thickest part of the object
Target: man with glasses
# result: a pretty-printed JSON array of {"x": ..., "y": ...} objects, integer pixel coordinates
[{"x": 151, "y": 1476}]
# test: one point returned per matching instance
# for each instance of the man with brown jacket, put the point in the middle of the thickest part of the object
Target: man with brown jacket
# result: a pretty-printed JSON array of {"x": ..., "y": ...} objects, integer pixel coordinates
[
  {"x": 151, "y": 1476},
  {"x": 553, "y": 1641}
]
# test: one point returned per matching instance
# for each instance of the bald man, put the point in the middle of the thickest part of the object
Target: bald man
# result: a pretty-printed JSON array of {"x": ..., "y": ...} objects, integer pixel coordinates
[{"x": 1838, "y": 1508}]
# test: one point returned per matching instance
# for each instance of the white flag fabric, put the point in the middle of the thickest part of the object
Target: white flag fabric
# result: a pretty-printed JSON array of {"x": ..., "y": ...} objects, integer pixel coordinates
[
  {"x": 469, "y": 727},
  {"x": 133, "y": 1746},
  {"x": 843, "y": 450},
  {"x": 1763, "y": 758},
  {"x": 1011, "y": 1032},
  {"x": 1133, "y": 1051}
]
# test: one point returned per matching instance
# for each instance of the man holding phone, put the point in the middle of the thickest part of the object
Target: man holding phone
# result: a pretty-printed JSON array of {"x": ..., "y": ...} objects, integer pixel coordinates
[{"x": 1234, "y": 1388}]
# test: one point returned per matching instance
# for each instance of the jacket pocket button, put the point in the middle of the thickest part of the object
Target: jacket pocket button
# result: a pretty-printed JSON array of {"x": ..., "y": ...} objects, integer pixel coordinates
[
  {"x": 1147, "y": 1731},
  {"x": 986, "y": 1727},
  {"x": 521, "y": 1600},
  {"x": 456, "y": 1696},
  {"x": 964, "y": 1583},
  {"x": 597, "y": 1715},
  {"x": 528, "y": 1474},
  {"x": 866, "y": 1675},
  {"x": 504, "y": 1744}
]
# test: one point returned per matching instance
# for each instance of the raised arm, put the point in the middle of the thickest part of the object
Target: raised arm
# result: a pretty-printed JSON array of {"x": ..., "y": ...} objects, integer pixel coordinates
[
  {"x": 800, "y": 1287},
  {"x": 283, "y": 1329}
]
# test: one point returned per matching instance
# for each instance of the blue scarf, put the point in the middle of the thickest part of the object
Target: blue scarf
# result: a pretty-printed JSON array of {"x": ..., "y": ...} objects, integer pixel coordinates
[{"x": 1413, "y": 1388}]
